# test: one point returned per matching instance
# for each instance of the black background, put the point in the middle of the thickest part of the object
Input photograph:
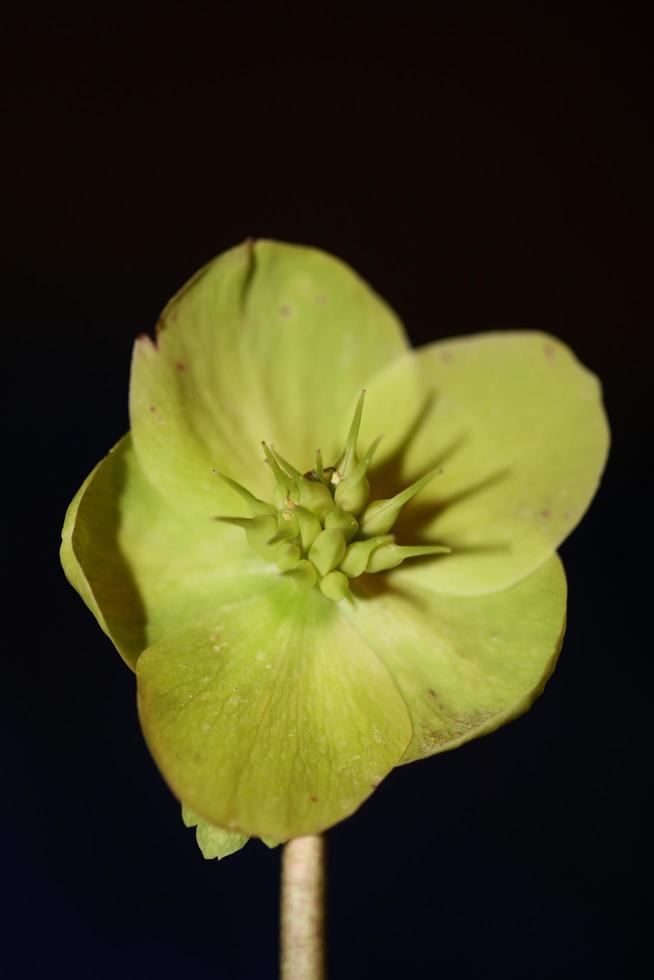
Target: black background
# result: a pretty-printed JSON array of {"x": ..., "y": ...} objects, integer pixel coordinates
[{"x": 480, "y": 170}]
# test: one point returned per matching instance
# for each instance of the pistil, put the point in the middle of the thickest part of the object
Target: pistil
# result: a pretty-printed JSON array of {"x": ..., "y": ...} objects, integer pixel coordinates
[{"x": 322, "y": 529}]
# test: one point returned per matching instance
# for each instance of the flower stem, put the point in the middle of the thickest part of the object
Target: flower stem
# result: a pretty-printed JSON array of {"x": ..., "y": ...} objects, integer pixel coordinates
[{"x": 302, "y": 935}]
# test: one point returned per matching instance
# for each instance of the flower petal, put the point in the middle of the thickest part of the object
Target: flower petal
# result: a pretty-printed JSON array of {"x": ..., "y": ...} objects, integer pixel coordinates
[
  {"x": 518, "y": 426},
  {"x": 269, "y": 341},
  {"x": 465, "y": 664},
  {"x": 270, "y": 716},
  {"x": 141, "y": 567}
]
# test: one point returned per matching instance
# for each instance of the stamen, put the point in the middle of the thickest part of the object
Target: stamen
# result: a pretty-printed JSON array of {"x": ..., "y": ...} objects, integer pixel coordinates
[
  {"x": 315, "y": 497},
  {"x": 327, "y": 550},
  {"x": 352, "y": 493},
  {"x": 358, "y": 555},
  {"x": 303, "y": 572},
  {"x": 286, "y": 557},
  {"x": 282, "y": 479},
  {"x": 287, "y": 467},
  {"x": 285, "y": 492},
  {"x": 314, "y": 533},
  {"x": 391, "y": 555},
  {"x": 336, "y": 586},
  {"x": 308, "y": 526},
  {"x": 256, "y": 507},
  {"x": 345, "y": 522},
  {"x": 283, "y": 534},
  {"x": 242, "y": 522},
  {"x": 380, "y": 515},
  {"x": 258, "y": 530},
  {"x": 349, "y": 457}
]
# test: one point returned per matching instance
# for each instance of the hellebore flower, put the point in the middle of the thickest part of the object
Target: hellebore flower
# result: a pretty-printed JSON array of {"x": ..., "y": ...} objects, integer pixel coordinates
[{"x": 307, "y": 613}]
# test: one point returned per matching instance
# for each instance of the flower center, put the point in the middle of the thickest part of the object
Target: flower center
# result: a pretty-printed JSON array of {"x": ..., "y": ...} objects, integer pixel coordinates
[{"x": 321, "y": 526}]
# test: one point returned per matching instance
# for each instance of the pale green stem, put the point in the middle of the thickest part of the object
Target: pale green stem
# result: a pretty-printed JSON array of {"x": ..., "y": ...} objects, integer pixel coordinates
[{"x": 302, "y": 934}]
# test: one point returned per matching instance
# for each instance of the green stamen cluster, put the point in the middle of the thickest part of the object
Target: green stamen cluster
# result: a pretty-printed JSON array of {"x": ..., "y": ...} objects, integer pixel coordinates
[{"x": 321, "y": 527}]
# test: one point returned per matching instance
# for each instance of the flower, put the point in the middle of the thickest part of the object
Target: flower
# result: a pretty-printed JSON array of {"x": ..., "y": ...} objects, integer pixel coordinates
[{"x": 293, "y": 651}]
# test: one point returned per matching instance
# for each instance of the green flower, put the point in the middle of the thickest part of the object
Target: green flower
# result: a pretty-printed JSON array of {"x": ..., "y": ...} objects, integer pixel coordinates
[{"x": 306, "y": 614}]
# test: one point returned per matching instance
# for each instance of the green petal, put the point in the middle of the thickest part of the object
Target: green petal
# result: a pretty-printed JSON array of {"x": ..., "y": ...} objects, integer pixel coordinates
[
  {"x": 466, "y": 664},
  {"x": 67, "y": 554},
  {"x": 141, "y": 567},
  {"x": 214, "y": 842},
  {"x": 270, "y": 716},
  {"x": 518, "y": 428},
  {"x": 269, "y": 341}
]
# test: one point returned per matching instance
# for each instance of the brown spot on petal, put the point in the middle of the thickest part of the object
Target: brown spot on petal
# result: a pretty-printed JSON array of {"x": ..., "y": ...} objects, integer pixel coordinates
[
  {"x": 145, "y": 340},
  {"x": 314, "y": 799},
  {"x": 180, "y": 366},
  {"x": 321, "y": 299},
  {"x": 549, "y": 353},
  {"x": 447, "y": 356},
  {"x": 285, "y": 310},
  {"x": 545, "y": 512}
]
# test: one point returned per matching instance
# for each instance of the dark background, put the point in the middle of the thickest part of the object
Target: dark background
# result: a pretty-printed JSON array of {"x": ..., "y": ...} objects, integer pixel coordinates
[{"x": 481, "y": 170}]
